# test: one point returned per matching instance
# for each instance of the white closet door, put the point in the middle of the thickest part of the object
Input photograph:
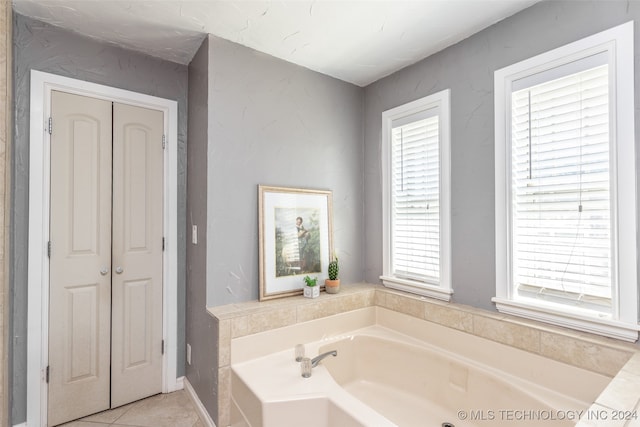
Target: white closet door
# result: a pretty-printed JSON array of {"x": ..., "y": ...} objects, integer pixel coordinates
[
  {"x": 80, "y": 261},
  {"x": 136, "y": 370}
]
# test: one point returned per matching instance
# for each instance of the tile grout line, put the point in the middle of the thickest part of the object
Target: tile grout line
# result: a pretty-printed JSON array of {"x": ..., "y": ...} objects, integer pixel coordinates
[{"x": 125, "y": 412}]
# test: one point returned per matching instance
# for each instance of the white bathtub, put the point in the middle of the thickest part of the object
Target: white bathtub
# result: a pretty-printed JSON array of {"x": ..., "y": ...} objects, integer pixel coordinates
[
  {"x": 396, "y": 370},
  {"x": 413, "y": 385}
]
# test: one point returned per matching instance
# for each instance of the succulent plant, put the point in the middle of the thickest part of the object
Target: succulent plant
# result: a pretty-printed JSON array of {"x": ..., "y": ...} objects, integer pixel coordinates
[
  {"x": 309, "y": 281},
  {"x": 333, "y": 269}
]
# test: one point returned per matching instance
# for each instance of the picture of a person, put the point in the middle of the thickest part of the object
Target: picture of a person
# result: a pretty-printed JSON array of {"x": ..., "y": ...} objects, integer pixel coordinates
[
  {"x": 303, "y": 238},
  {"x": 297, "y": 249}
]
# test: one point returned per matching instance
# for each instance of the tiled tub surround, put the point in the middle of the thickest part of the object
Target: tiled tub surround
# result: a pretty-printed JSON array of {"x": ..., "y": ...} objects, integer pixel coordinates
[
  {"x": 598, "y": 355},
  {"x": 411, "y": 372}
]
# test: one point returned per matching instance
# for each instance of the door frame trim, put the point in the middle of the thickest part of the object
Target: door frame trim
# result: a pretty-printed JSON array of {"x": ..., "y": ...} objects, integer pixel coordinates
[{"x": 38, "y": 272}]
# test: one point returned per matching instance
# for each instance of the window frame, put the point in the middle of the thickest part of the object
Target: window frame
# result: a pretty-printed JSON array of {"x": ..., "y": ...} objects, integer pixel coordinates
[
  {"x": 623, "y": 321},
  {"x": 441, "y": 102}
]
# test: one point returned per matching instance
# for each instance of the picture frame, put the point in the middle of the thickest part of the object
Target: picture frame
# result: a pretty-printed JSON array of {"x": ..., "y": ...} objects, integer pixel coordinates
[{"x": 295, "y": 238}]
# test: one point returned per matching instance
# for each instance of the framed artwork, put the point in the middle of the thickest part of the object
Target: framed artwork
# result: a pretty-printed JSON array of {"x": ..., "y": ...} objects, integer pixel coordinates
[{"x": 295, "y": 231}]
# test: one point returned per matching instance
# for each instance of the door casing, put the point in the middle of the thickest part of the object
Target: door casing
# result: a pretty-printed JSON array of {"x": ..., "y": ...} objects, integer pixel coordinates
[{"x": 38, "y": 273}]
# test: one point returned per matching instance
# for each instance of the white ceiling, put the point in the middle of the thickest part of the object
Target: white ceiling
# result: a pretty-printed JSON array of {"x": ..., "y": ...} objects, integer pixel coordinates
[{"x": 358, "y": 41}]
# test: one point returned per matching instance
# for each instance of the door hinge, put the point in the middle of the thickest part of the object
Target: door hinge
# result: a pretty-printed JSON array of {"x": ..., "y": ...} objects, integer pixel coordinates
[
  {"x": 163, "y": 244},
  {"x": 164, "y": 141},
  {"x": 50, "y": 127},
  {"x": 46, "y": 374},
  {"x": 162, "y": 347},
  {"x": 49, "y": 249}
]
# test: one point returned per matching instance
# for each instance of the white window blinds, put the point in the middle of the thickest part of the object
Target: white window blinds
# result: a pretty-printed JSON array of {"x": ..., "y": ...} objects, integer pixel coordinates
[
  {"x": 415, "y": 197},
  {"x": 561, "y": 222}
]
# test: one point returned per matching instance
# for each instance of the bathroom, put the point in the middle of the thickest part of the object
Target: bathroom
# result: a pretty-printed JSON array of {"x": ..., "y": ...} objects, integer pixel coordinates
[{"x": 253, "y": 119}]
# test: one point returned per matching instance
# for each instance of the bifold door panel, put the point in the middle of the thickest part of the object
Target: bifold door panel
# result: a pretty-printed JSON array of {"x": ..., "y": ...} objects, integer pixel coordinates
[
  {"x": 80, "y": 236},
  {"x": 105, "y": 298},
  {"x": 136, "y": 370}
]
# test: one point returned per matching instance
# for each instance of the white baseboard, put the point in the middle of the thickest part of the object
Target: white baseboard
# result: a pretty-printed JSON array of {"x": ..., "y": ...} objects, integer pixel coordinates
[
  {"x": 20, "y": 425},
  {"x": 180, "y": 383},
  {"x": 202, "y": 412}
]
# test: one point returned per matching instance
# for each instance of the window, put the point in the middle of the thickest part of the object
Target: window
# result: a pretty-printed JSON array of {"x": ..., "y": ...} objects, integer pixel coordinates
[
  {"x": 416, "y": 188},
  {"x": 565, "y": 186}
]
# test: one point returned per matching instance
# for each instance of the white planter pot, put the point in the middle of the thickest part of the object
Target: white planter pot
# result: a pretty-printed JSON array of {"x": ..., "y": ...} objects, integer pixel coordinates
[{"x": 311, "y": 291}]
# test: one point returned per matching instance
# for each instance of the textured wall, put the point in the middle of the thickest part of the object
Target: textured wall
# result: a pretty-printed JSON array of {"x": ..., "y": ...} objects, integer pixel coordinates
[
  {"x": 275, "y": 123},
  {"x": 255, "y": 119},
  {"x": 5, "y": 182},
  {"x": 42, "y": 47},
  {"x": 467, "y": 68},
  {"x": 200, "y": 327}
]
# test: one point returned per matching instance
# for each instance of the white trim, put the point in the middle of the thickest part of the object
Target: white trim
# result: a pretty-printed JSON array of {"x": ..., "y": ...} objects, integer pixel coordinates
[
  {"x": 38, "y": 284},
  {"x": 569, "y": 317},
  {"x": 202, "y": 411},
  {"x": 424, "y": 289},
  {"x": 618, "y": 43},
  {"x": 20, "y": 425},
  {"x": 441, "y": 102}
]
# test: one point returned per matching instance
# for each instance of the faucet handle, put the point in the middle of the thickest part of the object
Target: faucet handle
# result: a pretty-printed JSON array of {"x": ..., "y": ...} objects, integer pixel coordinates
[
  {"x": 305, "y": 367},
  {"x": 299, "y": 350}
]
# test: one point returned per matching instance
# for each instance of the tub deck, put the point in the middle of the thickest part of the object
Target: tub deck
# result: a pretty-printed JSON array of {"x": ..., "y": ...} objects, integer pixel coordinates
[{"x": 384, "y": 376}]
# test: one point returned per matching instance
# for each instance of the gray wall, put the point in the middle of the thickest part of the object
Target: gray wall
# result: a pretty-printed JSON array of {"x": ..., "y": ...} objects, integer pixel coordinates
[
  {"x": 200, "y": 326},
  {"x": 467, "y": 68},
  {"x": 42, "y": 47},
  {"x": 255, "y": 119},
  {"x": 275, "y": 123}
]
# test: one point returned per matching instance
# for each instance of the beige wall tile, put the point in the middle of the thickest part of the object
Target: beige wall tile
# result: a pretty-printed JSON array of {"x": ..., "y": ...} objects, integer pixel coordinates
[
  {"x": 271, "y": 319},
  {"x": 355, "y": 301},
  {"x": 224, "y": 397},
  {"x": 318, "y": 309},
  {"x": 380, "y": 298},
  {"x": 505, "y": 332},
  {"x": 239, "y": 326},
  {"x": 224, "y": 311},
  {"x": 449, "y": 316},
  {"x": 412, "y": 306},
  {"x": 224, "y": 343},
  {"x": 583, "y": 354},
  {"x": 329, "y": 305}
]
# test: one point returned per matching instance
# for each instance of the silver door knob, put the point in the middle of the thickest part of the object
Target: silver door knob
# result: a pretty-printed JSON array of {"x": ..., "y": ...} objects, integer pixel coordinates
[
  {"x": 104, "y": 271},
  {"x": 119, "y": 270}
]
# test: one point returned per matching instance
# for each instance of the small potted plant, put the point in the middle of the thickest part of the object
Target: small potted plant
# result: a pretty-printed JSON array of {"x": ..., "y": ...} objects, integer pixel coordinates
[
  {"x": 332, "y": 284},
  {"x": 310, "y": 289}
]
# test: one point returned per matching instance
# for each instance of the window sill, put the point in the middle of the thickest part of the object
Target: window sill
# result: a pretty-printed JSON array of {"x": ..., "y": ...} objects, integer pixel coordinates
[
  {"x": 419, "y": 288},
  {"x": 568, "y": 319}
]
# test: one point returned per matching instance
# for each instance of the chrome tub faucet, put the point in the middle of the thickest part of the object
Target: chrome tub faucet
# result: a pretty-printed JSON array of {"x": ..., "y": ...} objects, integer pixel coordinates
[
  {"x": 308, "y": 364},
  {"x": 318, "y": 358}
]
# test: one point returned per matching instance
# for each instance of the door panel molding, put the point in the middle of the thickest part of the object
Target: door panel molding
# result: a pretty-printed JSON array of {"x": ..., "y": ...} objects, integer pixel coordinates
[
  {"x": 137, "y": 250},
  {"x": 79, "y": 295},
  {"x": 42, "y": 84}
]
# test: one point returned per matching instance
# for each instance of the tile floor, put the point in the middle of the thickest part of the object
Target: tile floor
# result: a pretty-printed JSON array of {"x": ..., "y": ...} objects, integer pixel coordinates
[{"x": 163, "y": 410}]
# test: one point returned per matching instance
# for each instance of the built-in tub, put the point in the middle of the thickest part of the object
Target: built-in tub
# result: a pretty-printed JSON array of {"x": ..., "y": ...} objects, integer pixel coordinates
[
  {"x": 414, "y": 385},
  {"x": 395, "y": 370}
]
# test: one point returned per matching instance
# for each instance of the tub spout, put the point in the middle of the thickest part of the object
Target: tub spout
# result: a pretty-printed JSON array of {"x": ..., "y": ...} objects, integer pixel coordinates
[{"x": 318, "y": 358}]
